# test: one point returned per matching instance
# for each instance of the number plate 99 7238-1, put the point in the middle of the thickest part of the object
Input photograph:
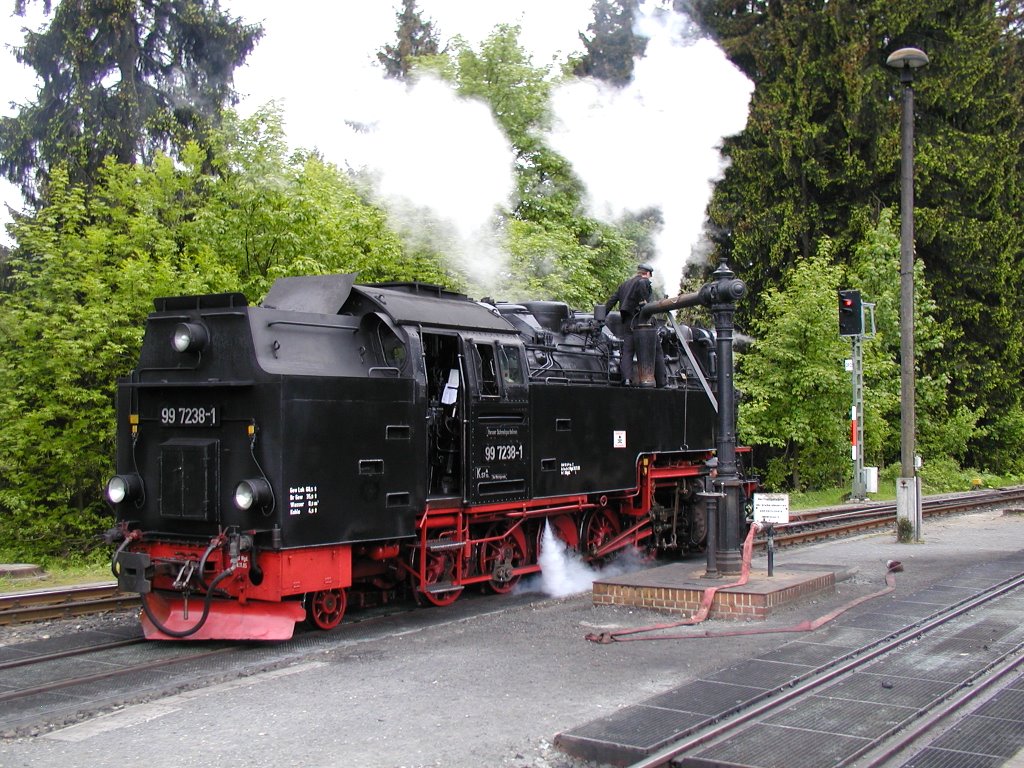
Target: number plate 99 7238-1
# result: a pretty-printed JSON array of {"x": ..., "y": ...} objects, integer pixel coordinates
[{"x": 189, "y": 416}]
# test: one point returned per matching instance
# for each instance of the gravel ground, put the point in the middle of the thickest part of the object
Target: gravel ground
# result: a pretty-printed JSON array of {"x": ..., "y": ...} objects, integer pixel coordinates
[
  {"x": 24, "y": 633},
  {"x": 487, "y": 691}
]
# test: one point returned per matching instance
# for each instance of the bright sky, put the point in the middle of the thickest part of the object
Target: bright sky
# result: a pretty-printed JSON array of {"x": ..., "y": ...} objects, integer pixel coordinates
[{"x": 654, "y": 143}]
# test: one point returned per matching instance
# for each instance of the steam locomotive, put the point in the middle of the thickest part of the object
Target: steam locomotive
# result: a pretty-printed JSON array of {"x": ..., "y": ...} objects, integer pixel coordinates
[{"x": 346, "y": 443}]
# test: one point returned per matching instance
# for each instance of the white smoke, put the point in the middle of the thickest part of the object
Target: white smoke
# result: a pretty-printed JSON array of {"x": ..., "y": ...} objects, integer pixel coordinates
[
  {"x": 563, "y": 572},
  {"x": 441, "y": 167},
  {"x": 656, "y": 142}
]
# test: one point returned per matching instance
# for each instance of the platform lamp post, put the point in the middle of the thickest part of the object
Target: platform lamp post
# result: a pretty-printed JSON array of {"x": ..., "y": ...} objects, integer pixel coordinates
[{"x": 908, "y": 501}]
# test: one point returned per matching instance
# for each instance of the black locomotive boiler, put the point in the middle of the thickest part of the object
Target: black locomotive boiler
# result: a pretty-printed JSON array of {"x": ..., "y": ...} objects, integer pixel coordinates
[{"x": 347, "y": 442}]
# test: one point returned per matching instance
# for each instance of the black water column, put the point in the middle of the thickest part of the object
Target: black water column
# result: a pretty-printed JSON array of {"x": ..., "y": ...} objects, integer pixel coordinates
[
  {"x": 726, "y": 290},
  {"x": 720, "y": 296}
]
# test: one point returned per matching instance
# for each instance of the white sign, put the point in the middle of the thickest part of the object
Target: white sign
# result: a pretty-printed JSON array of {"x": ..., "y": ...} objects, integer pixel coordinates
[
  {"x": 771, "y": 508},
  {"x": 619, "y": 438}
]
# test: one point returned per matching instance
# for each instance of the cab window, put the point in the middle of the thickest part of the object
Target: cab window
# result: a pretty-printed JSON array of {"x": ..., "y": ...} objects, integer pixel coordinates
[
  {"x": 486, "y": 370},
  {"x": 511, "y": 363}
]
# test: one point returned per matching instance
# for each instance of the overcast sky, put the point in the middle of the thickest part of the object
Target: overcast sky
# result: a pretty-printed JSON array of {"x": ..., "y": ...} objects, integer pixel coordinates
[{"x": 654, "y": 143}]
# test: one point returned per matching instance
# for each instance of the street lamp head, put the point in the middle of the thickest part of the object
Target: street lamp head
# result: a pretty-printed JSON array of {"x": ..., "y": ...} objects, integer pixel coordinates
[{"x": 907, "y": 58}]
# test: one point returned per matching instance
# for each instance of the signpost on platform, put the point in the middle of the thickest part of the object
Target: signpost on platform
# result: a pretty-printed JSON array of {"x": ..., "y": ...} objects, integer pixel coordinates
[{"x": 771, "y": 509}]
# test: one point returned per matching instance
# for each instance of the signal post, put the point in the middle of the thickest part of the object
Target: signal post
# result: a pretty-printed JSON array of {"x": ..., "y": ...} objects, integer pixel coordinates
[{"x": 851, "y": 325}]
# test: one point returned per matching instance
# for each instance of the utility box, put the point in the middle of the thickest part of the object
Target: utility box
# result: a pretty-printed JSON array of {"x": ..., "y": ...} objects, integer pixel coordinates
[{"x": 871, "y": 479}]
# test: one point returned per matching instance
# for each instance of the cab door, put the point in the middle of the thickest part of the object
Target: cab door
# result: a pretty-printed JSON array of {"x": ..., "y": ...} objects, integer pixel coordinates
[{"x": 498, "y": 468}]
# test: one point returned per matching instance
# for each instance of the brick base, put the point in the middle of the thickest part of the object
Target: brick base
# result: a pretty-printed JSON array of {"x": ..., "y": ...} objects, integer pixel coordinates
[{"x": 679, "y": 589}]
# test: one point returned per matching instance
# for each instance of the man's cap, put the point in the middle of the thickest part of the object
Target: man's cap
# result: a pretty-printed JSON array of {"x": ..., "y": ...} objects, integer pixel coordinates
[{"x": 645, "y": 268}]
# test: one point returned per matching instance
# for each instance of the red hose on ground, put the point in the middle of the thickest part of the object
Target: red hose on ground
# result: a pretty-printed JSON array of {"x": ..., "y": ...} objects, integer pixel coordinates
[
  {"x": 708, "y": 597},
  {"x": 705, "y": 602}
]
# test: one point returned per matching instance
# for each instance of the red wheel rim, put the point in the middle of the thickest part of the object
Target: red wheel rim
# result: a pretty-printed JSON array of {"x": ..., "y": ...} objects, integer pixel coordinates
[
  {"x": 440, "y": 569},
  {"x": 327, "y": 607},
  {"x": 599, "y": 528},
  {"x": 505, "y": 553}
]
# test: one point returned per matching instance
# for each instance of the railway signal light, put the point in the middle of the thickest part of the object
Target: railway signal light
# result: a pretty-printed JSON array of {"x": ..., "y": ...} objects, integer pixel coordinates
[{"x": 851, "y": 313}]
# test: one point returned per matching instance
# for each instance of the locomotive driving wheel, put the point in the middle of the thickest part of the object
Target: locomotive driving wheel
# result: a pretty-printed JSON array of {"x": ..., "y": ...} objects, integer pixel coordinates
[
  {"x": 598, "y": 528},
  {"x": 326, "y": 608},
  {"x": 439, "y": 572},
  {"x": 501, "y": 556}
]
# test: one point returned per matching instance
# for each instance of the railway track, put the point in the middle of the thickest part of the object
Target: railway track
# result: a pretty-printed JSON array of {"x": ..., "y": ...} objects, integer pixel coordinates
[
  {"x": 85, "y": 657},
  {"x": 65, "y": 679},
  {"x": 880, "y": 704},
  {"x": 63, "y": 603},
  {"x": 834, "y": 522}
]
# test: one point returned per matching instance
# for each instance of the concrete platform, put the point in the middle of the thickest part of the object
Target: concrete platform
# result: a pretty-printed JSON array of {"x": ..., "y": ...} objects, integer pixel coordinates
[
  {"x": 680, "y": 587},
  {"x": 831, "y": 727}
]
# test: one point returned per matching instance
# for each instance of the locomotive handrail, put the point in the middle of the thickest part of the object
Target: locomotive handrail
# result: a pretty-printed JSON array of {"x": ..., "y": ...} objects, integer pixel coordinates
[
  {"x": 311, "y": 324},
  {"x": 160, "y": 315},
  {"x": 185, "y": 384},
  {"x": 585, "y": 377},
  {"x": 389, "y": 369}
]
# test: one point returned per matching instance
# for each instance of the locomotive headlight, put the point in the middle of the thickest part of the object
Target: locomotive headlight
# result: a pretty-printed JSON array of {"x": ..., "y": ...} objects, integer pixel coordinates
[
  {"x": 190, "y": 337},
  {"x": 124, "y": 488},
  {"x": 254, "y": 492}
]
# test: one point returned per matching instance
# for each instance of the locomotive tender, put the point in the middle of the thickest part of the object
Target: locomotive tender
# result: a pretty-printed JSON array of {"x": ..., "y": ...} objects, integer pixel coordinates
[{"x": 347, "y": 442}]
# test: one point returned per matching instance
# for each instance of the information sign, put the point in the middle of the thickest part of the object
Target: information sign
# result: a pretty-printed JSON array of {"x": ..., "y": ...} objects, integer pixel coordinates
[{"x": 771, "y": 508}]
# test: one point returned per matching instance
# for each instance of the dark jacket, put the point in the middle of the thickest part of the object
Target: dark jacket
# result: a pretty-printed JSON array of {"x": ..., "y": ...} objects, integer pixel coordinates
[{"x": 630, "y": 296}]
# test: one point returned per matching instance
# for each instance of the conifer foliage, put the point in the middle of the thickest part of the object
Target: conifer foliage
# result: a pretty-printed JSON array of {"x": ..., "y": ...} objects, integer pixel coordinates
[
  {"x": 415, "y": 36},
  {"x": 612, "y": 45},
  {"x": 820, "y": 158},
  {"x": 120, "y": 79}
]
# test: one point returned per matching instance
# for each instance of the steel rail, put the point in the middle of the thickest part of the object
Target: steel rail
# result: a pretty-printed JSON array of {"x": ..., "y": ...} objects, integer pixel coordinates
[
  {"x": 830, "y": 523},
  {"x": 63, "y": 602},
  {"x": 134, "y": 669},
  {"x": 45, "y": 657},
  {"x": 793, "y": 690}
]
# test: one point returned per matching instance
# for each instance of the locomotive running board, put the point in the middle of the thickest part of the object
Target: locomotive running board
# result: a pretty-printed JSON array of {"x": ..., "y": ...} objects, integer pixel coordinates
[{"x": 227, "y": 619}]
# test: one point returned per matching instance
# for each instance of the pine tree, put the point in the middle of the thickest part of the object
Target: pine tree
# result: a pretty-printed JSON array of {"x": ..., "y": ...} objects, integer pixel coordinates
[
  {"x": 121, "y": 79},
  {"x": 416, "y": 37},
  {"x": 821, "y": 151},
  {"x": 612, "y": 44}
]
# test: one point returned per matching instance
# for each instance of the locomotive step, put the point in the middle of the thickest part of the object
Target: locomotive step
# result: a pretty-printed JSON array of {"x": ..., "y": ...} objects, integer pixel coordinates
[
  {"x": 442, "y": 587},
  {"x": 441, "y": 545}
]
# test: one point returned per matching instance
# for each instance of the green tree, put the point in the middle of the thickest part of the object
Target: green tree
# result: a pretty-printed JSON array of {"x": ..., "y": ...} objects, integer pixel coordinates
[
  {"x": 796, "y": 394},
  {"x": 273, "y": 213},
  {"x": 416, "y": 37},
  {"x": 85, "y": 271},
  {"x": 122, "y": 79},
  {"x": 820, "y": 157},
  {"x": 613, "y": 44},
  {"x": 86, "y": 267}
]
